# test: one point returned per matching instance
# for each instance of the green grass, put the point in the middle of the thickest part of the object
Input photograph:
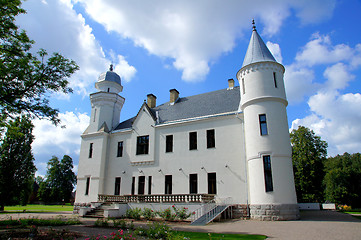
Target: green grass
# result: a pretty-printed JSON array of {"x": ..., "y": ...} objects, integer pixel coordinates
[
  {"x": 38, "y": 222},
  {"x": 218, "y": 236},
  {"x": 31, "y": 208}
]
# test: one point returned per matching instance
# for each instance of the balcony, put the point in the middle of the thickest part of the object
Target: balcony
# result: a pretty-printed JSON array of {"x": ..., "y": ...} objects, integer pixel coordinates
[{"x": 160, "y": 198}]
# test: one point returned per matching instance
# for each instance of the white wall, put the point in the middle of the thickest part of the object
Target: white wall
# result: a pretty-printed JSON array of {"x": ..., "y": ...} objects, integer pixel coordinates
[{"x": 229, "y": 150}]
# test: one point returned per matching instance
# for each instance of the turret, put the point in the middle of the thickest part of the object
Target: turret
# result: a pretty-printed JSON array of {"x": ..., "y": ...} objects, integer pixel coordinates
[
  {"x": 106, "y": 103},
  {"x": 272, "y": 193}
]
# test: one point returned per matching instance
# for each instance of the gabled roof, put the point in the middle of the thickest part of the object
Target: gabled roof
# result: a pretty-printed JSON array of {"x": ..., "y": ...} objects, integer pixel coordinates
[
  {"x": 206, "y": 104},
  {"x": 257, "y": 51}
]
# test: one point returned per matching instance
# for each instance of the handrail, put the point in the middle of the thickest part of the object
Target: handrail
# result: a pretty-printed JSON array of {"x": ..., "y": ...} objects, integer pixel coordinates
[{"x": 210, "y": 208}]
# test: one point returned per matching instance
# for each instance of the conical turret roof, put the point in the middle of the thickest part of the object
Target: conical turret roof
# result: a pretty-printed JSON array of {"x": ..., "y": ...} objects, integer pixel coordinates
[{"x": 257, "y": 50}]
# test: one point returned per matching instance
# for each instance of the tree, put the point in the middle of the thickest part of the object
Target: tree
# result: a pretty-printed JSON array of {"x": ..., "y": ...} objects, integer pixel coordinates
[
  {"x": 343, "y": 179},
  {"x": 27, "y": 78},
  {"x": 17, "y": 167},
  {"x": 59, "y": 180},
  {"x": 308, "y": 155}
]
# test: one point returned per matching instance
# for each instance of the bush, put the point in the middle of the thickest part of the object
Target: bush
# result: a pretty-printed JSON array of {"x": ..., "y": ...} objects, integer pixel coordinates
[
  {"x": 344, "y": 208},
  {"x": 134, "y": 213},
  {"x": 101, "y": 222},
  {"x": 155, "y": 230},
  {"x": 166, "y": 214},
  {"x": 148, "y": 213},
  {"x": 121, "y": 223},
  {"x": 181, "y": 214}
]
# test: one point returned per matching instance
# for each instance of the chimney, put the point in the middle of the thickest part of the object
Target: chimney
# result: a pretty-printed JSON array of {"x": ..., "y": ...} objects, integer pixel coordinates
[
  {"x": 151, "y": 100},
  {"x": 230, "y": 83},
  {"x": 174, "y": 94}
]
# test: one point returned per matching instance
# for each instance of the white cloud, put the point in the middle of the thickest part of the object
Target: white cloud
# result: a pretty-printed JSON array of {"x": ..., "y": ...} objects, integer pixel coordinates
[
  {"x": 194, "y": 33},
  {"x": 63, "y": 140},
  {"x": 56, "y": 27},
  {"x": 58, "y": 141},
  {"x": 337, "y": 76},
  {"x": 299, "y": 83},
  {"x": 335, "y": 117},
  {"x": 275, "y": 50},
  {"x": 125, "y": 71},
  {"x": 321, "y": 51}
]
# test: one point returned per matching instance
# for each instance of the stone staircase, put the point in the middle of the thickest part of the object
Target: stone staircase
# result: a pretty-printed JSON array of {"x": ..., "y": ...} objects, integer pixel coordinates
[{"x": 98, "y": 212}]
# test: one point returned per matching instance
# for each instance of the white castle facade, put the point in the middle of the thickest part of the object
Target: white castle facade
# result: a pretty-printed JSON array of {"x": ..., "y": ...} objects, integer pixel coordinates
[{"x": 231, "y": 144}]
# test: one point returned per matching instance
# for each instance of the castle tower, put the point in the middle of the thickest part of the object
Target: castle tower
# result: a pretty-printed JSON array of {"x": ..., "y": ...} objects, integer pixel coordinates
[
  {"x": 106, "y": 103},
  {"x": 105, "y": 114},
  {"x": 272, "y": 193}
]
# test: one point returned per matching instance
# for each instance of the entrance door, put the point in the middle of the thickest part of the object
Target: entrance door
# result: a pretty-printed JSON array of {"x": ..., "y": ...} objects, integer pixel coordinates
[
  {"x": 212, "y": 183},
  {"x": 117, "y": 186},
  {"x": 168, "y": 184},
  {"x": 141, "y": 185}
]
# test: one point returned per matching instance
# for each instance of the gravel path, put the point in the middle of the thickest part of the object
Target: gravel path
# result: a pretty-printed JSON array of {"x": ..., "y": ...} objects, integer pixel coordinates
[{"x": 313, "y": 225}]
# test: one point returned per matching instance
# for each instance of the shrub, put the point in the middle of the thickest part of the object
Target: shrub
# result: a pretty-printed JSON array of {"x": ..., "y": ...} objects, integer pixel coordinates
[
  {"x": 121, "y": 223},
  {"x": 344, "y": 207},
  {"x": 148, "y": 213},
  {"x": 101, "y": 222},
  {"x": 181, "y": 213},
  {"x": 134, "y": 213},
  {"x": 155, "y": 230},
  {"x": 166, "y": 214}
]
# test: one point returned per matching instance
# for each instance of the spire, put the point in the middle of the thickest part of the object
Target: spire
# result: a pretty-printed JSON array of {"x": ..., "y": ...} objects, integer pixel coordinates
[{"x": 257, "y": 50}]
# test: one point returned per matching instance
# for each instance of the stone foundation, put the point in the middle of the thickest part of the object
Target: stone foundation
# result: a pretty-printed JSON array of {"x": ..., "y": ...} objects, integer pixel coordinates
[
  {"x": 240, "y": 211},
  {"x": 274, "y": 212}
]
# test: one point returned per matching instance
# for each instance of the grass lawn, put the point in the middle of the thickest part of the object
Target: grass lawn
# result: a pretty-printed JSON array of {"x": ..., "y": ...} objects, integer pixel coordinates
[
  {"x": 216, "y": 236},
  {"x": 38, "y": 208}
]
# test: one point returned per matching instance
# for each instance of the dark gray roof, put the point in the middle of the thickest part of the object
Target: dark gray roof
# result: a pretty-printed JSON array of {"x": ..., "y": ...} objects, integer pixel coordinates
[
  {"x": 109, "y": 76},
  {"x": 211, "y": 103},
  {"x": 257, "y": 51}
]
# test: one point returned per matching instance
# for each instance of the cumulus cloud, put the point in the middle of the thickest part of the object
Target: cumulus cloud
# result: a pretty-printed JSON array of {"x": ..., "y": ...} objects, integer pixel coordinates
[
  {"x": 56, "y": 27},
  {"x": 51, "y": 140},
  {"x": 275, "y": 50},
  {"x": 334, "y": 115},
  {"x": 321, "y": 51},
  {"x": 193, "y": 33}
]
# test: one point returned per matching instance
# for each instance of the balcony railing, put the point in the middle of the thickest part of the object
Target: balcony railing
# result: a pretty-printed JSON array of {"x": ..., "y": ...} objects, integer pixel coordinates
[{"x": 160, "y": 198}]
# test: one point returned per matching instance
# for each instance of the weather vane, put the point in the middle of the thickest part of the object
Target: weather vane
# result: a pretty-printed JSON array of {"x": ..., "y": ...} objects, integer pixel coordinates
[{"x": 254, "y": 25}]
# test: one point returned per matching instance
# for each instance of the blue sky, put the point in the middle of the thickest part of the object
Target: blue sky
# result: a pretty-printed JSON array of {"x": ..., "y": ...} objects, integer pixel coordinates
[{"x": 195, "y": 47}]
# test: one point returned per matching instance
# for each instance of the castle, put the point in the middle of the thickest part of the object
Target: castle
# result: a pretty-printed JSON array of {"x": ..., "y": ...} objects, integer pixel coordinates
[{"x": 230, "y": 146}]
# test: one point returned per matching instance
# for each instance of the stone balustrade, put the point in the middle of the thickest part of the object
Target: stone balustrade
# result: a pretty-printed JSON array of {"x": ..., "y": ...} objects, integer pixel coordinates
[{"x": 158, "y": 198}]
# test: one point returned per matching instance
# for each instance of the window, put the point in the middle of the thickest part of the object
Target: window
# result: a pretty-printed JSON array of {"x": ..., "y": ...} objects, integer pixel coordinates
[
  {"x": 95, "y": 114},
  {"x": 192, "y": 140},
  {"x": 117, "y": 186},
  {"x": 91, "y": 150},
  {"x": 211, "y": 141},
  {"x": 193, "y": 184},
  {"x": 141, "y": 185},
  {"x": 87, "y": 186},
  {"x": 142, "y": 144},
  {"x": 169, "y": 143},
  {"x": 243, "y": 87},
  {"x": 168, "y": 184},
  {"x": 263, "y": 124},
  {"x": 267, "y": 173},
  {"x": 149, "y": 185},
  {"x": 274, "y": 79},
  {"x": 133, "y": 185},
  {"x": 212, "y": 183},
  {"x": 120, "y": 149}
]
